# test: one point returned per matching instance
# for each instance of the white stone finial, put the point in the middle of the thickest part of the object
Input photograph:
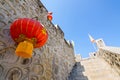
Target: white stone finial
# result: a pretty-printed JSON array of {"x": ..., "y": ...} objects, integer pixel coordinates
[
  {"x": 100, "y": 43},
  {"x": 56, "y": 26},
  {"x": 72, "y": 42},
  {"x": 68, "y": 42}
]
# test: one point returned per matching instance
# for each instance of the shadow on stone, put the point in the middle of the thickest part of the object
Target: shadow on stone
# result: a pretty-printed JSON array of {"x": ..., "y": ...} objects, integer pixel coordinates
[{"x": 77, "y": 72}]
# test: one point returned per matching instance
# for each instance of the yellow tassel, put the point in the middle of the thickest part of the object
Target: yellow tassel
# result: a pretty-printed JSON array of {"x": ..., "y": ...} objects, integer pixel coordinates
[{"x": 24, "y": 49}]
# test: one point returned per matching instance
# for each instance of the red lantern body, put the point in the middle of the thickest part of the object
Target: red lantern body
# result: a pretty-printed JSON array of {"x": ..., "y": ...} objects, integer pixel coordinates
[
  {"x": 25, "y": 29},
  {"x": 49, "y": 16}
]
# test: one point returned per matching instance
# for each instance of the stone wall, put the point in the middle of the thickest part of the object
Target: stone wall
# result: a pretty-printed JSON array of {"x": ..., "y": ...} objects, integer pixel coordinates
[
  {"x": 78, "y": 57},
  {"x": 53, "y": 61},
  {"x": 111, "y": 55},
  {"x": 101, "y": 65}
]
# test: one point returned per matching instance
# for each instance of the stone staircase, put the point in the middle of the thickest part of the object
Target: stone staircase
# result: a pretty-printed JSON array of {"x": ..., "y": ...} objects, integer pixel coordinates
[
  {"x": 93, "y": 69},
  {"x": 77, "y": 72}
]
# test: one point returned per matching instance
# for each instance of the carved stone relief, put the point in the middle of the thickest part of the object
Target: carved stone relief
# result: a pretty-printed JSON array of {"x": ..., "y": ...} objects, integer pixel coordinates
[{"x": 40, "y": 66}]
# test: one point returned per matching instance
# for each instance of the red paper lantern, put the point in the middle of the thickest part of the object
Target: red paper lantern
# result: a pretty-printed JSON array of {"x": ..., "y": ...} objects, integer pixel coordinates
[
  {"x": 29, "y": 34},
  {"x": 49, "y": 16}
]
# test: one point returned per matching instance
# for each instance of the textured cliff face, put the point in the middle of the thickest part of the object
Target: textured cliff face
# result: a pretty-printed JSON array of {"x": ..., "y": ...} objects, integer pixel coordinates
[{"x": 53, "y": 61}]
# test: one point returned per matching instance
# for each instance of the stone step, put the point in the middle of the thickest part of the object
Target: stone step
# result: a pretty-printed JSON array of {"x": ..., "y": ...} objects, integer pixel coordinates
[{"x": 93, "y": 69}]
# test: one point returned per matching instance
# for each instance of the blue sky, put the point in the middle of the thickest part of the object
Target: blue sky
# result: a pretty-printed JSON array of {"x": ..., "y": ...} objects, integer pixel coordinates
[{"x": 77, "y": 18}]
